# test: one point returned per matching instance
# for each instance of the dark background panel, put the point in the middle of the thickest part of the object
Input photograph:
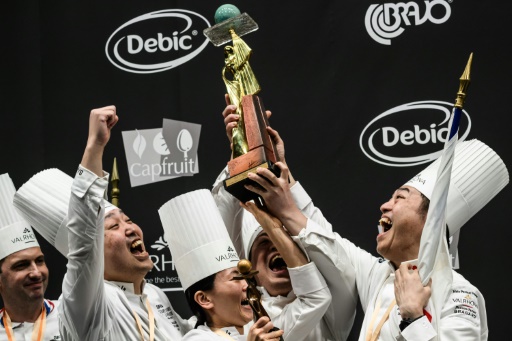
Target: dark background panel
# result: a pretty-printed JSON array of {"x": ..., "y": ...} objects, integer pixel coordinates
[{"x": 323, "y": 77}]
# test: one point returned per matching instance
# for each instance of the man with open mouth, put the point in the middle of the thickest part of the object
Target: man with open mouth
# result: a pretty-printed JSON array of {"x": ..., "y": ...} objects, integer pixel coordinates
[
  {"x": 397, "y": 306},
  {"x": 279, "y": 292},
  {"x": 104, "y": 293},
  {"x": 293, "y": 291}
]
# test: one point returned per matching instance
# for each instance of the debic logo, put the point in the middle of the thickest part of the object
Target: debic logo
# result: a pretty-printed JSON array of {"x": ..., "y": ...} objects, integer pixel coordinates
[
  {"x": 410, "y": 134},
  {"x": 157, "y": 41},
  {"x": 386, "y": 21}
]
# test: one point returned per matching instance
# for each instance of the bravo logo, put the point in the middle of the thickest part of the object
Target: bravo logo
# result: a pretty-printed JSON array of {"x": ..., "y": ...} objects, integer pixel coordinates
[
  {"x": 385, "y": 21},
  {"x": 157, "y": 41},
  {"x": 410, "y": 134}
]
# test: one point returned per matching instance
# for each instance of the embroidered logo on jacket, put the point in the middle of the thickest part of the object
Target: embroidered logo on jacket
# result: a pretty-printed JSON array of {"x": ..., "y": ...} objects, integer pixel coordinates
[{"x": 465, "y": 304}]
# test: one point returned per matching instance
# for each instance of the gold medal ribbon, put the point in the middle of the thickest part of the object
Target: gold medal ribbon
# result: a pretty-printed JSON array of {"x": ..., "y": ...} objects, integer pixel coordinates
[
  {"x": 37, "y": 332},
  {"x": 151, "y": 318},
  {"x": 372, "y": 335}
]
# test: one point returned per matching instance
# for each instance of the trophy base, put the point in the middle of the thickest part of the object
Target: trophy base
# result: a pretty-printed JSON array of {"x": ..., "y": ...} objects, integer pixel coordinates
[{"x": 235, "y": 184}]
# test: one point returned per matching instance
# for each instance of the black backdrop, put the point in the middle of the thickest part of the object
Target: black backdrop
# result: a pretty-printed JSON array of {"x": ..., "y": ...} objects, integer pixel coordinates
[{"x": 323, "y": 76}]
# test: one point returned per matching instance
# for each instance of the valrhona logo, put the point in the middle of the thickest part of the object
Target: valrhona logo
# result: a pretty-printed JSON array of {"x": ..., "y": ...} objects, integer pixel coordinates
[
  {"x": 157, "y": 41},
  {"x": 164, "y": 273},
  {"x": 230, "y": 255},
  {"x": 387, "y": 21},
  {"x": 26, "y": 237},
  {"x": 410, "y": 134},
  {"x": 465, "y": 304}
]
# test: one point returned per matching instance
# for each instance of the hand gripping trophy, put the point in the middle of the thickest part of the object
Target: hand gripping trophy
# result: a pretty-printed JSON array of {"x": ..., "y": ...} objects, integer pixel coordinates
[
  {"x": 253, "y": 294},
  {"x": 252, "y": 145}
]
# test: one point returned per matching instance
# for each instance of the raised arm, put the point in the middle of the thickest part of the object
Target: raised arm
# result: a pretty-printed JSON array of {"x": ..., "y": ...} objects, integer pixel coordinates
[
  {"x": 84, "y": 312},
  {"x": 101, "y": 121},
  {"x": 275, "y": 191},
  {"x": 321, "y": 244},
  {"x": 291, "y": 253},
  {"x": 301, "y": 316}
]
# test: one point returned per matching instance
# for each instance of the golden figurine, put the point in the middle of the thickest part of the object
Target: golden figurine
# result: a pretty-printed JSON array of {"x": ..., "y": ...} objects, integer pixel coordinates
[
  {"x": 243, "y": 83},
  {"x": 253, "y": 294},
  {"x": 252, "y": 145}
]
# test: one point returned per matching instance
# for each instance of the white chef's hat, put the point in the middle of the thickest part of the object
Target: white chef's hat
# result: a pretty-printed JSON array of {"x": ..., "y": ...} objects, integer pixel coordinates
[
  {"x": 15, "y": 233},
  {"x": 197, "y": 237},
  {"x": 478, "y": 174},
  {"x": 43, "y": 201}
]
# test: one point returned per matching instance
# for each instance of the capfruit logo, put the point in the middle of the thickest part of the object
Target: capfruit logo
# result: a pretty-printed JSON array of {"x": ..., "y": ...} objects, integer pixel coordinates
[
  {"x": 410, "y": 134},
  {"x": 157, "y": 41}
]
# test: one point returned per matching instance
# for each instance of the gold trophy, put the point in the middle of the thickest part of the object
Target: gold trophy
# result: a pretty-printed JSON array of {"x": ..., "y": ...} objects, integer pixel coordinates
[
  {"x": 252, "y": 145},
  {"x": 253, "y": 294}
]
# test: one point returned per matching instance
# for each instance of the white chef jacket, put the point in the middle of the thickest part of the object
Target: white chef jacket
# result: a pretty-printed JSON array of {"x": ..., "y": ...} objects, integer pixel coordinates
[
  {"x": 338, "y": 319},
  {"x": 95, "y": 309},
  {"x": 463, "y": 316},
  {"x": 23, "y": 331},
  {"x": 204, "y": 333},
  {"x": 300, "y": 313},
  {"x": 297, "y": 314}
]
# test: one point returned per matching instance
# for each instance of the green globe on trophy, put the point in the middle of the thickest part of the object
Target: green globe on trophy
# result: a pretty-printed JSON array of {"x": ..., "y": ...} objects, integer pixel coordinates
[{"x": 252, "y": 145}]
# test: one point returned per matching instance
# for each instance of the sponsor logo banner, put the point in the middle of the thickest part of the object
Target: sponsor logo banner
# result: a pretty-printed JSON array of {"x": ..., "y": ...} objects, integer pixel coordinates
[
  {"x": 164, "y": 273},
  {"x": 157, "y": 41},
  {"x": 410, "y": 134},
  {"x": 155, "y": 155},
  {"x": 181, "y": 139},
  {"x": 387, "y": 21}
]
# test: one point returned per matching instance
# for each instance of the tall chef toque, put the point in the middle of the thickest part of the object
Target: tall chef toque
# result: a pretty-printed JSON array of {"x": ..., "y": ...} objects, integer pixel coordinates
[
  {"x": 478, "y": 174},
  {"x": 43, "y": 201},
  {"x": 16, "y": 233},
  {"x": 197, "y": 237}
]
